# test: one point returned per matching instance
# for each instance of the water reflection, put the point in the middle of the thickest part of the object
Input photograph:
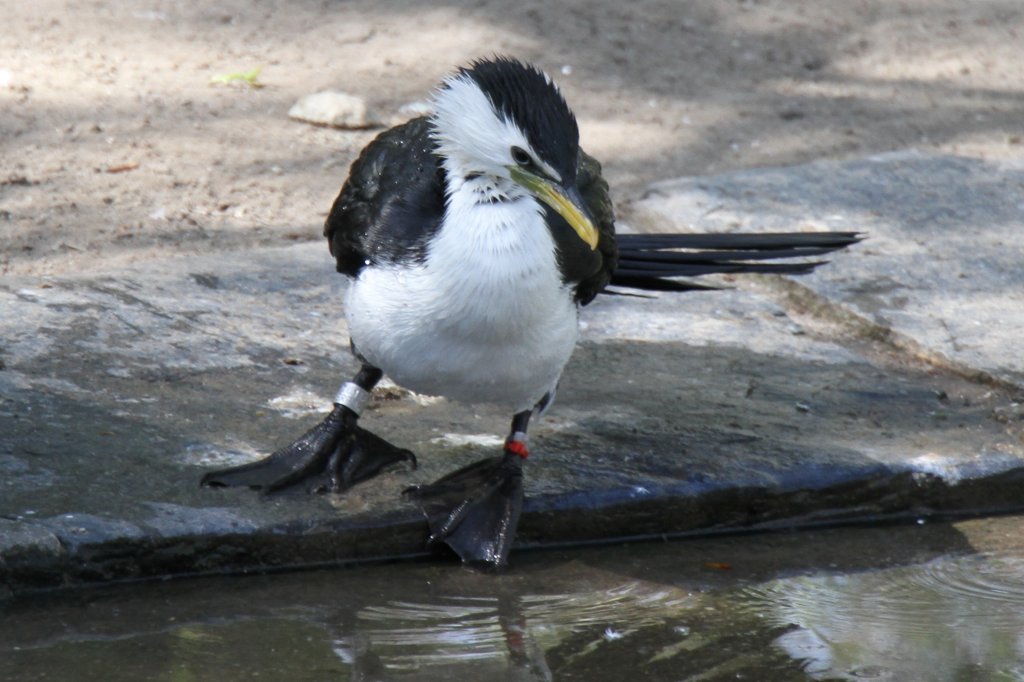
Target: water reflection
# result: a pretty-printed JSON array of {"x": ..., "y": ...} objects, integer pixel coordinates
[
  {"x": 635, "y": 613},
  {"x": 505, "y": 633},
  {"x": 504, "y": 636},
  {"x": 568, "y": 622},
  {"x": 953, "y": 618}
]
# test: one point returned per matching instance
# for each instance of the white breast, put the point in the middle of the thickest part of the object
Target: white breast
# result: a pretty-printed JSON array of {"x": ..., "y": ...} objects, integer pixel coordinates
[{"x": 485, "y": 318}]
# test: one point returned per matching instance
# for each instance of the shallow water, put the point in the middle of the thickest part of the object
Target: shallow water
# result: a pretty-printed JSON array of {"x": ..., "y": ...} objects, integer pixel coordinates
[{"x": 939, "y": 602}]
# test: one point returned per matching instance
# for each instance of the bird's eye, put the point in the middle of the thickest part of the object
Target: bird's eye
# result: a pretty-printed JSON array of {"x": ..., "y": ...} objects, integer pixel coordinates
[{"x": 521, "y": 157}]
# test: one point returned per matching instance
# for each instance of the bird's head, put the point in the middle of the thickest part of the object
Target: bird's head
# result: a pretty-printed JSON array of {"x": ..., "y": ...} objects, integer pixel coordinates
[{"x": 504, "y": 127}]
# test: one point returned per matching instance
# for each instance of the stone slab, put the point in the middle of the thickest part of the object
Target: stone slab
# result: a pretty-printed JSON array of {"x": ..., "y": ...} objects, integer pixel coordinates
[
  {"x": 943, "y": 265},
  {"x": 701, "y": 413}
]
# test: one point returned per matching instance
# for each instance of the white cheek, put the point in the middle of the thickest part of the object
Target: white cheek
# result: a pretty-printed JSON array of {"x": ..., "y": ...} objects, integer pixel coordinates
[{"x": 470, "y": 134}]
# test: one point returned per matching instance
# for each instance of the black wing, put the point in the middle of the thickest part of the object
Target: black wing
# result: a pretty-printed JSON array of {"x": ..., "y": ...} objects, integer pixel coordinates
[
  {"x": 392, "y": 202},
  {"x": 592, "y": 269}
]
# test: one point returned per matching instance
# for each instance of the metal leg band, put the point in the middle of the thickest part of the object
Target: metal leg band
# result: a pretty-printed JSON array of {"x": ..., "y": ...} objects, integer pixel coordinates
[{"x": 353, "y": 396}]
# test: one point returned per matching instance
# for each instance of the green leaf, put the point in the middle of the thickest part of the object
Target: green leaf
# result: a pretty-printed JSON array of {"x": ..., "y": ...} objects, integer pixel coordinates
[{"x": 250, "y": 78}]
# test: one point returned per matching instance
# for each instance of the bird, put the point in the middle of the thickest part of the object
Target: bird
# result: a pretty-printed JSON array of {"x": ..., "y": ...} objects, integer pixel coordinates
[{"x": 472, "y": 238}]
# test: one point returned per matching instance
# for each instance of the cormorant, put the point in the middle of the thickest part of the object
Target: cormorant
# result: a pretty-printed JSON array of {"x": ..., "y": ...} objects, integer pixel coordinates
[{"x": 472, "y": 238}]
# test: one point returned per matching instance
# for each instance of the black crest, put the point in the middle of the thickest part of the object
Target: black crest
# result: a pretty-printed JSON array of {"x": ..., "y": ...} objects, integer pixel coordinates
[{"x": 523, "y": 94}]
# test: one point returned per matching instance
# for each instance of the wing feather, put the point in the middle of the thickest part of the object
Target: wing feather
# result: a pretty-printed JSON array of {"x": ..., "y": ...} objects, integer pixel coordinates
[{"x": 392, "y": 202}]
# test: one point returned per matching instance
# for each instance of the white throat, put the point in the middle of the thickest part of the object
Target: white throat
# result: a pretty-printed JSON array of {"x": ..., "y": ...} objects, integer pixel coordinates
[
  {"x": 465, "y": 187},
  {"x": 500, "y": 250}
]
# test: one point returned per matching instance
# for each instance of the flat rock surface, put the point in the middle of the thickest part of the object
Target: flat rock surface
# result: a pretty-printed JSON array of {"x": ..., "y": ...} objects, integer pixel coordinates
[
  {"x": 701, "y": 413},
  {"x": 942, "y": 268}
]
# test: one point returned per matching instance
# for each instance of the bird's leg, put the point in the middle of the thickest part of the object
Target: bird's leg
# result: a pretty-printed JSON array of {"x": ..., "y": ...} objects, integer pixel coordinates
[
  {"x": 332, "y": 456},
  {"x": 475, "y": 510}
]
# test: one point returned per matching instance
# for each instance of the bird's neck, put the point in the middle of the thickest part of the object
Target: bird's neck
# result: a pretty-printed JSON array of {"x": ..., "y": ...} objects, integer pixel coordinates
[
  {"x": 468, "y": 179},
  {"x": 490, "y": 219},
  {"x": 481, "y": 212},
  {"x": 490, "y": 225}
]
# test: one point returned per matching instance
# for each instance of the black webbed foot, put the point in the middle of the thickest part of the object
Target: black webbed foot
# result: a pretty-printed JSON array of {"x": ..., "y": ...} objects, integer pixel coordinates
[
  {"x": 475, "y": 510},
  {"x": 332, "y": 456}
]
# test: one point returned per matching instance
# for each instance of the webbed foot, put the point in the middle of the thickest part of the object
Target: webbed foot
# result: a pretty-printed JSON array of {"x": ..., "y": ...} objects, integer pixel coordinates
[
  {"x": 332, "y": 456},
  {"x": 475, "y": 510}
]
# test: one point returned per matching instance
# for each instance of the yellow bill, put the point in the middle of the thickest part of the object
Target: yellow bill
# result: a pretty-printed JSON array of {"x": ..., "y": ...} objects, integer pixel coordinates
[{"x": 569, "y": 205}]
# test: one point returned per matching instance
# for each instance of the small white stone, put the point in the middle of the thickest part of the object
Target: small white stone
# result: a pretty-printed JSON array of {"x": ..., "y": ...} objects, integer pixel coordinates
[
  {"x": 417, "y": 108},
  {"x": 334, "y": 109}
]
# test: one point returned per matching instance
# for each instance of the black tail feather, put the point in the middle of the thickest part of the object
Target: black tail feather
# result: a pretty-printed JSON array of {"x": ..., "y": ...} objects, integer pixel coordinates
[
  {"x": 652, "y": 261},
  {"x": 732, "y": 241},
  {"x": 685, "y": 269},
  {"x": 654, "y": 284}
]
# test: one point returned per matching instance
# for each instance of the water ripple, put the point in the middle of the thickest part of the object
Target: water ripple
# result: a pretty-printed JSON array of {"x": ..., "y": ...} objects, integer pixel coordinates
[
  {"x": 954, "y": 591},
  {"x": 452, "y": 628},
  {"x": 944, "y": 616}
]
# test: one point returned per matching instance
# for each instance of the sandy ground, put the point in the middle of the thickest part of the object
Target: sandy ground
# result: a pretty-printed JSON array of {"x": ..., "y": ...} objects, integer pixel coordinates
[{"x": 114, "y": 144}]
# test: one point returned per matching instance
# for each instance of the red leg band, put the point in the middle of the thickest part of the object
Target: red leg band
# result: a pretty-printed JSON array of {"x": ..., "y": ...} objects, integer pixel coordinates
[{"x": 517, "y": 447}]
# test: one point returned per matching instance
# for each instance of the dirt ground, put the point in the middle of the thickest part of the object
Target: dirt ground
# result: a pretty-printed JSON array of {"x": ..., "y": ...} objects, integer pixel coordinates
[{"x": 115, "y": 145}]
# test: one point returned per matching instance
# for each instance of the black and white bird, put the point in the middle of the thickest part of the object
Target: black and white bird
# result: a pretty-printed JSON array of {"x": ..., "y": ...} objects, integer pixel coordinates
[{"x": 472, "y": 238}]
